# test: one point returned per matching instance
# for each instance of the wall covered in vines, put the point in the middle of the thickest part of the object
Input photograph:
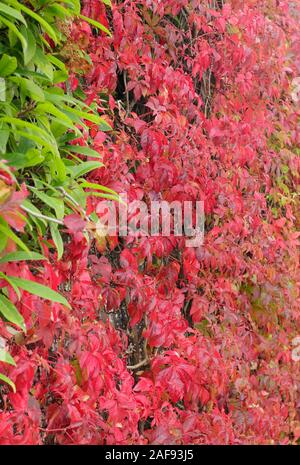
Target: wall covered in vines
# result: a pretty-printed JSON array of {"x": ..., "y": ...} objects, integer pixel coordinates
[{"x": 155, "y": 342}]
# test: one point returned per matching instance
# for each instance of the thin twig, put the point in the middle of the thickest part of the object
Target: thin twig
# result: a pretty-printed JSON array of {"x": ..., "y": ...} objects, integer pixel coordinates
[
  {"x": 127, "y": 94},
  {"x": 41, "y": 216},
  {"x": 138, "y": 365},
  {"x": 52, "y": 430},
  {"x": 79, "y": 207}
]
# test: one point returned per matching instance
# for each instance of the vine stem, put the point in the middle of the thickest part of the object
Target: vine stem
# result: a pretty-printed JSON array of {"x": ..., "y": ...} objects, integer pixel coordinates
[
  {"x": 138, "y": 365},
  {"x": 41, "y": 216},
  {"x": 68, "y": 196}
]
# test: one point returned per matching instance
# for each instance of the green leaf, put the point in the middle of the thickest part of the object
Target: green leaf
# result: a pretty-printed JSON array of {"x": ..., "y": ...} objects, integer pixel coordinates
[
  {"x": 29, "y": 134},
  {"x": 32, "y": 89},
  {"x": 95, "y": 24},
  {"x": 57, "y": 168},
  {"x": 46, "y": 26},
  {"x": 29, "y": 51},
  {"x": 53, "y": 202},
  {"x": 48, "y": 107},
  {"x": 38, "y": 289},
  {"x": 12, "y": 12},
  {"x": 15, "y": 31},
  {"x": 89, "y": 117},
  {"x": 24, "y": 124},
  {"x": 5, "y": 229},
  {"x": 15, "y": 288},
  {"x": 2, "y": 90},
  {"x": 3, "y": 242},
  {"x": 4, "y": 135},
  {"x": 58, "y": 63},
  {"x": 82, "y": 150},
  {"x": 34, "y": 133},
  {"x": 6, "y": 357},
  {"x": 24, "y": 160},
  {"x": 74, "y": 5},
  {"x": 59, "y": 11},
  {"x": 106, "y": 196},
  {"x": 34, "y": 209},
  {"x": 83, "y": 168},
  {"x": 57, "y": 239},
  {"x": 8, "y": 65},
  {"x": 104, "y": 126},
  {"x": 43, "y": 63},
  {"x": 9, "y": 311},
  {"x": 59, "y": 76},
  {"x": 8, "y": 381},
  {"x": 21, "y": 256},
  {"x": 92, "y": 185}
]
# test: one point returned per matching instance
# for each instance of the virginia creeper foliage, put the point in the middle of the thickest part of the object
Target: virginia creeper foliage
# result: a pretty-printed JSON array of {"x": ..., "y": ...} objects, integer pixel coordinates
[{"x": 164, "y": 344}]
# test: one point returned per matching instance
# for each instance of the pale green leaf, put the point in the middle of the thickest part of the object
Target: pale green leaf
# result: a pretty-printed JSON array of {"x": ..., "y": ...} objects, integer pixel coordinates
[
  {"x": 10, "y": 312},
  {"x": 8, "y": 381},
  {"x": 8, "y": 65},
  {"x": 40, "y": 290},
  {"x": 21, "y": 256},
  {"x": 6, "y": 357},
  {"x": 57, "y": 239},
  {"x": 95, "y": 24}
]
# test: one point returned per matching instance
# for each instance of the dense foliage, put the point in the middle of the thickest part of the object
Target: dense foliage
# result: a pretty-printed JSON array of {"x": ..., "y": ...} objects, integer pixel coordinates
[
  {"x": 137, "y": 340},
  {"x": 40, "y": 120}
]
